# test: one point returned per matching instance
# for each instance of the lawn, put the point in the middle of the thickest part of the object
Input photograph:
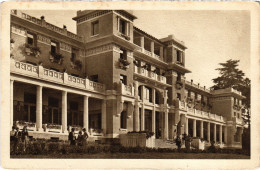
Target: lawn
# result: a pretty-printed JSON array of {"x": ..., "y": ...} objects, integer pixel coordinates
[{"x": 147, "y": 155}]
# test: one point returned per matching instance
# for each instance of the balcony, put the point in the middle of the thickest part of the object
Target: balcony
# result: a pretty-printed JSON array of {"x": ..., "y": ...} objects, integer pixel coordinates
[
  {"x": 197, "y": 86},
  {"x": 199, "y": 113},
  {"x": 126, "y": 89},
  {"x": 149, "y": 74},
  {"x": 42, "y": 23},
  {"x": 38, "y": 72},
  {"x": 150, "y": 54}
]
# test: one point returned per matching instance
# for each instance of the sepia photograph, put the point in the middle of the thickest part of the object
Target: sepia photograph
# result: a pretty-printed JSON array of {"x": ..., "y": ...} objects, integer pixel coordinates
[{"x": 129, "y": 84}]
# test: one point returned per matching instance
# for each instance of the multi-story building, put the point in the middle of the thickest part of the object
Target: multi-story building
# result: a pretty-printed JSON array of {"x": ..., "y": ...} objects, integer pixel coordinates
[{"x": 111, "y": 78}]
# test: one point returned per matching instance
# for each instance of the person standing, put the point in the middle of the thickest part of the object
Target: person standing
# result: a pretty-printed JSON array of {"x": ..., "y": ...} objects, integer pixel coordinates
[
  {"x": 72, "y": 137},
  {"x": 15, "y": 139},
  {"x": 84, "y": 137},
  {"x": 25, "y": 138},
  {"x": 80, "y": 138},
  {"x": 178, "y": 142}
]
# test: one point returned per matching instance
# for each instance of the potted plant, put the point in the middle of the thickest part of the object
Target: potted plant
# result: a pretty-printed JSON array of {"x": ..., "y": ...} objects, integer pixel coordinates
[
  {"x": 56, "y": 57},
  {"x": 123, "y": 63},
  {"x": 78, "y": 64}
]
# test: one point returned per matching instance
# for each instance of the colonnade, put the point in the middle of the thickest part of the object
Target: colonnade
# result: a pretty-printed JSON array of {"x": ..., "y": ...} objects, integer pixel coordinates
[
  {"x": 64, "y": 103},
  {"x": 222, "y": 130}
]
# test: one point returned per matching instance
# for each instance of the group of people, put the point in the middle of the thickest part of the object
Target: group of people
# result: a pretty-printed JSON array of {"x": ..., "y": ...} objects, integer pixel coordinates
[
  {"x": 17, "y": 137},
  {"x": 186, "y": 140},
  {"x": 81, "y": 140}
]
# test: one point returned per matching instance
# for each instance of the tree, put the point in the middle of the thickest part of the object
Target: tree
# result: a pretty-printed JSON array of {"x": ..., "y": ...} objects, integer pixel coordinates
[{"x": 231, "y": 76}]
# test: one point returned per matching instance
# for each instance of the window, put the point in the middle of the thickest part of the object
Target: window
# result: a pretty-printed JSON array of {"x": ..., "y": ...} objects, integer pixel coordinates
[
  {"x": 95, "y": 28},
  {"x": 157, "y": 97},
  {"x": 179, "y": 56},
  {"x": 178, "y": 77},
  {"x": 123, "y": 26},
  {"x": 235, "y": 114},
  {"x": 123, "y": 120},
  {"x": 179, "y": 96},
  {"x": 189, "y": 94},
  {"x": 73, "y": 106},
  {"x": 94, "y": 78},
  {"x": 123, "y": 54},
  {"x": 73, "y": 54},
  {"x": 123, "y": 79},
  {"x": 238, "y": 115},
  {"x": 31, "y": 39},
  {"x": 54, "y": 48}
]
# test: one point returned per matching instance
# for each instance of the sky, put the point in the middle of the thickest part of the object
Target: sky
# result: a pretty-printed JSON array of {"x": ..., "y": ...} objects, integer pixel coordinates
[{"x": 212, "y": 37}]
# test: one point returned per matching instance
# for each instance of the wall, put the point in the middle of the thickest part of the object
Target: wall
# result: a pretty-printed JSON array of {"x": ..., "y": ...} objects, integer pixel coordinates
[
  {"x": 19, "y": 35},
  {"x": 105, "y": 27},
  {"x": 222, "y": 106}
]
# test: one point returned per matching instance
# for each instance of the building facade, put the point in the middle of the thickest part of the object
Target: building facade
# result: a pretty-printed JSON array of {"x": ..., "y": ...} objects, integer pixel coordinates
[{"x": 111, "y": 78}]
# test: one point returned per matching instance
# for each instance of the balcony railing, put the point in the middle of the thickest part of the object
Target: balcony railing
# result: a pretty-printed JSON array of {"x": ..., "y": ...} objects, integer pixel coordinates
[
  {"x": 126, "y": 89},
  {"x": 149, "y": 74},
  {"x": 183, "y": 106},
  {"x": 149, "y": 53},
  {"x": 54, "y": 76},
  {"x": 46, "y": 25},
  {"x": 197, "y": 86}
]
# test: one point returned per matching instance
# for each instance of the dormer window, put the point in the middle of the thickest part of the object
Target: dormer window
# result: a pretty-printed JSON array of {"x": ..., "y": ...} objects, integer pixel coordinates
[{"x": 95, "y": 28}]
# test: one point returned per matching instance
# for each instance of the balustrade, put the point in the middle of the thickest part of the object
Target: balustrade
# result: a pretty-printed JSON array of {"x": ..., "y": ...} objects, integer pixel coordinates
[
  {"x": 47, "y": 25},
  {"x": 54, "y": 76}
]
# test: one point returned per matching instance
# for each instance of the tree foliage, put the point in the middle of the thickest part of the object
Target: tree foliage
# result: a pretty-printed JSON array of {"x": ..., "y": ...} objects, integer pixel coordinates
[{"x": 231, "y": 76}]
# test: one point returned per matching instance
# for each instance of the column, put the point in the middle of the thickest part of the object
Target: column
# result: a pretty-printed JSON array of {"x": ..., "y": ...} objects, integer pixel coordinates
[
  {"x": 208, "y": 131},
  {"x": 187, "y": 126},
  {"x": 104, "y": 115},
  {"x": 194, "y": 128},
  {"x": 137, "y": 123},
  {"x": 11, "y": 103},
  {"x": 142, "y": 43},
  {"x": 225, "y": 134},
  {"x": 153, "y": 120},
  {"x": 64, "y": 111},
  {"x": 220, "y": 134},
  {"x": 39, "y": 108},
  {"x": 215, "y": 132},
  {"x": 136, "y": 109},
  {"x": 85, "y": 113},
  {"x": 161, "y": 52},
  {"x": 142, "y": 93},
  {"x": 152, "y": 47},
  {"x": 166, "y": 129},
  {"x": 153, "y": 95},
  {"x": 142, "y": 119},
  {"x": 201, "y": 129}
]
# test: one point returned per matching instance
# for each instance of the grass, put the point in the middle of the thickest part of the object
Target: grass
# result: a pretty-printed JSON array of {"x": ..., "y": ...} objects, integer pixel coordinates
[{"x": 150, "y": 155}]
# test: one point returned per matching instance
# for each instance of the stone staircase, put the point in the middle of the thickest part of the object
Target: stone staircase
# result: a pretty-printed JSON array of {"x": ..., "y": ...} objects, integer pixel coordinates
[{"x": 162, "y": 143}]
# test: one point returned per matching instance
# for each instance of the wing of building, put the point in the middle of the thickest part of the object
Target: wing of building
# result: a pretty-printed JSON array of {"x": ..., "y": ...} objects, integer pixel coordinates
[{"x": 111, "y": 78}]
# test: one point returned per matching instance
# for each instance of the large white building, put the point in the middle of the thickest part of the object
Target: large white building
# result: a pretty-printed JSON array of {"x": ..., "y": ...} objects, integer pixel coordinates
[{"x": 111, "y": 78}]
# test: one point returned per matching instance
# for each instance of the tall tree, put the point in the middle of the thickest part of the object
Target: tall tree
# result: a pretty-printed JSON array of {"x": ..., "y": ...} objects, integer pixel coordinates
[{"x": 231, "y": 76}]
